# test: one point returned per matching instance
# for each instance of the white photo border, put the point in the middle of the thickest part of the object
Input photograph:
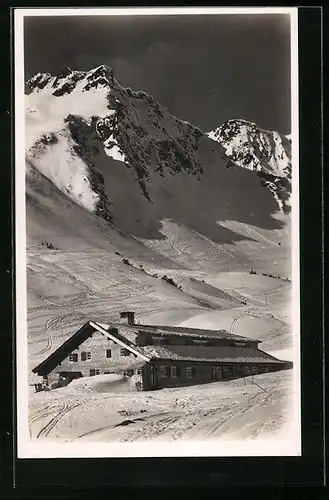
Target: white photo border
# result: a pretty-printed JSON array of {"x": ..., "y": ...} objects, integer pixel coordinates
[{"x": 290, "y": 445}]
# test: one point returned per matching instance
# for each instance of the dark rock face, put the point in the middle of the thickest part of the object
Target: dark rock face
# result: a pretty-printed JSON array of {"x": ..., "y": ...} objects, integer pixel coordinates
[
  {"x": 39, "y": 81},
  {"x": 149, "y": 137},
  {"x": 87, "y": 145},
  {"x": 280, "y": 187},
  {"x": 48, "y": 139}
]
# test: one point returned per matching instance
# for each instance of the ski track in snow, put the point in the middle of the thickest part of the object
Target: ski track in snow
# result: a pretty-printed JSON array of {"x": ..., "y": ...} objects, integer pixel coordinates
[
  {"x": 51, "y": 424},
  {"x": 77, "y": 285},
  {"x": 211, "y": 411}
]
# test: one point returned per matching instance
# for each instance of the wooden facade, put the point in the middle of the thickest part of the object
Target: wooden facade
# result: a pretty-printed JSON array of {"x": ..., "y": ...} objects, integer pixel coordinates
[{"x": 173, "y": 374}]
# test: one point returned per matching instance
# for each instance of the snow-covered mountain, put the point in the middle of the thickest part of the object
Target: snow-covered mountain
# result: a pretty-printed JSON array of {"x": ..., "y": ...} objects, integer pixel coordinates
[
  {"x": 123, "y": 156},
  {"x": 266, "y": 152},
  {"x": 77, "y": 115}
]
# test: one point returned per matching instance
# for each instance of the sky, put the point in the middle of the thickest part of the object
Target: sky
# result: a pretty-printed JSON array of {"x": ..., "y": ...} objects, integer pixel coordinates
[{"x": 205, "y": 69}]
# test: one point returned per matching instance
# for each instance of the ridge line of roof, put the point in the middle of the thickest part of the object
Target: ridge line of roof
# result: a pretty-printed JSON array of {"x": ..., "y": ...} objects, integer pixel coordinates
[
  {"x": 133, "y": 349},
  {"x": 61, "y": 347},
  {"x": 183, "y": 329}
]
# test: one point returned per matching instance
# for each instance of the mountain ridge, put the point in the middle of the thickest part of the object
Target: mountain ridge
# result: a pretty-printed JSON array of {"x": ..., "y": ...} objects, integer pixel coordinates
[
  {"x": 83, "y": 127},
  {"x": 266, "y": 152}
]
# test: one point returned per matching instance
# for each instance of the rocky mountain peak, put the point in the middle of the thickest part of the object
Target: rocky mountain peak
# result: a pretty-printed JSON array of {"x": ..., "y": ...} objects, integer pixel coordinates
[
  {"x": 264, "y": 151},
  {"x": 67, "y": 80},
  {"x": 254, "y": 148}
]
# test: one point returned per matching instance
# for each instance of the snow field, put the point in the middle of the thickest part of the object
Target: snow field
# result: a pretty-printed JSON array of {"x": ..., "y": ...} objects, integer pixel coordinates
[{"x": 245, "y": 408}]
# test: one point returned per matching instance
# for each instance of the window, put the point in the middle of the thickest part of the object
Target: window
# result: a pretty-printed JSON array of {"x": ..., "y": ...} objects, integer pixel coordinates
[
  {"x": 200, "y": 342},
  {"x": 227, "y": 371},
  {"x": 85, "y": 356},
  {"x": 124, "y": 352},
  {"x": 73, "y": 357},
  {"x": 163, "y": 371},
  {"x": 158, "y": 340},
  {"x": 108, "y": 353},
  {"x": 94, "y": 371},
  {"x": 247, "y": 370},
  {"x": 189, "y": 372},
  {"x": 139, "y": 371},
  {"x": 173, "y": 371}
]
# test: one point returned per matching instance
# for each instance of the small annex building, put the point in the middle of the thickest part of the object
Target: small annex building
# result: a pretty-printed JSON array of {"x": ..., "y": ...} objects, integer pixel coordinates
[{"x": 156, "y": 356}]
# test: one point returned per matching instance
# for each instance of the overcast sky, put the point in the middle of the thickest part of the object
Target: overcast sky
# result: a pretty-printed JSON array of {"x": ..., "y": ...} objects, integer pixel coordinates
[{"x": 204, "y": 69}]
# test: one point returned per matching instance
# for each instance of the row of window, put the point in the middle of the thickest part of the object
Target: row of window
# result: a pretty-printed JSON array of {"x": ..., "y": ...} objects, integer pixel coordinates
[
  {"x": 129, "y": 373},
  {"x": 174, "y": 371},
  {"x": 149, "y": 340},
  {"x": 86, "y": 355},
  {"x": 218, "y": 372},
  {"x": 126, "y": 373}
]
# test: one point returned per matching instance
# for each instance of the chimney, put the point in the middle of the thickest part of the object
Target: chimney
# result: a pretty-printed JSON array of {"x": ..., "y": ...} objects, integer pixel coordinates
[{"x": 127, "y": 317}]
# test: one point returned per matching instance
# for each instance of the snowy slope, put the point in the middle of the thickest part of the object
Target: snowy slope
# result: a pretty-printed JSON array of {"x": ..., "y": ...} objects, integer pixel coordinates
[
  {"x": 266, "y": 152},
  {"x": 244, "y": 409},
  {"x": 113, "y": 177}
]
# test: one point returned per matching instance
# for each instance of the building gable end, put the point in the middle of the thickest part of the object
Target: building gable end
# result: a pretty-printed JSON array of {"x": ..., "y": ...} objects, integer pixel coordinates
[{"x": 119, "y": 341}]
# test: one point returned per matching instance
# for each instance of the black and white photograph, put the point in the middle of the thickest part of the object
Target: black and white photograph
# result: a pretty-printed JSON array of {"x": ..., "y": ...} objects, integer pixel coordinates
[{"x": 157, "y": 232}]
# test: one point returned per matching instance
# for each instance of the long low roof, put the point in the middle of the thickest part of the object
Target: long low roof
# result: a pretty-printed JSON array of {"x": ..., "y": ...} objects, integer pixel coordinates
[
  {"x": 208, "y": 354},
  {"x": 180, "y": 331},
  {"x": 220, "y": 354}
]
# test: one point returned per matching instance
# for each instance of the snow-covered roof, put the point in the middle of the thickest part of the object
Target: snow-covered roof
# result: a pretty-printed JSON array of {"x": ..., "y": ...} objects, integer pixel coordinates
[
  {"x": 126, "y": 336},
  {"x": 224, "y": 354},
  {"x": 164, "y": 330}
]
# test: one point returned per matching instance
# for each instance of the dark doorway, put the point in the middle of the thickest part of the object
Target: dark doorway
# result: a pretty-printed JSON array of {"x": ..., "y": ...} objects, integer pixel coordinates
[
  {"x": 213, "y": 373},
  {"x": 69, "y": 376},
  {"x": 152, "y": 376}
]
